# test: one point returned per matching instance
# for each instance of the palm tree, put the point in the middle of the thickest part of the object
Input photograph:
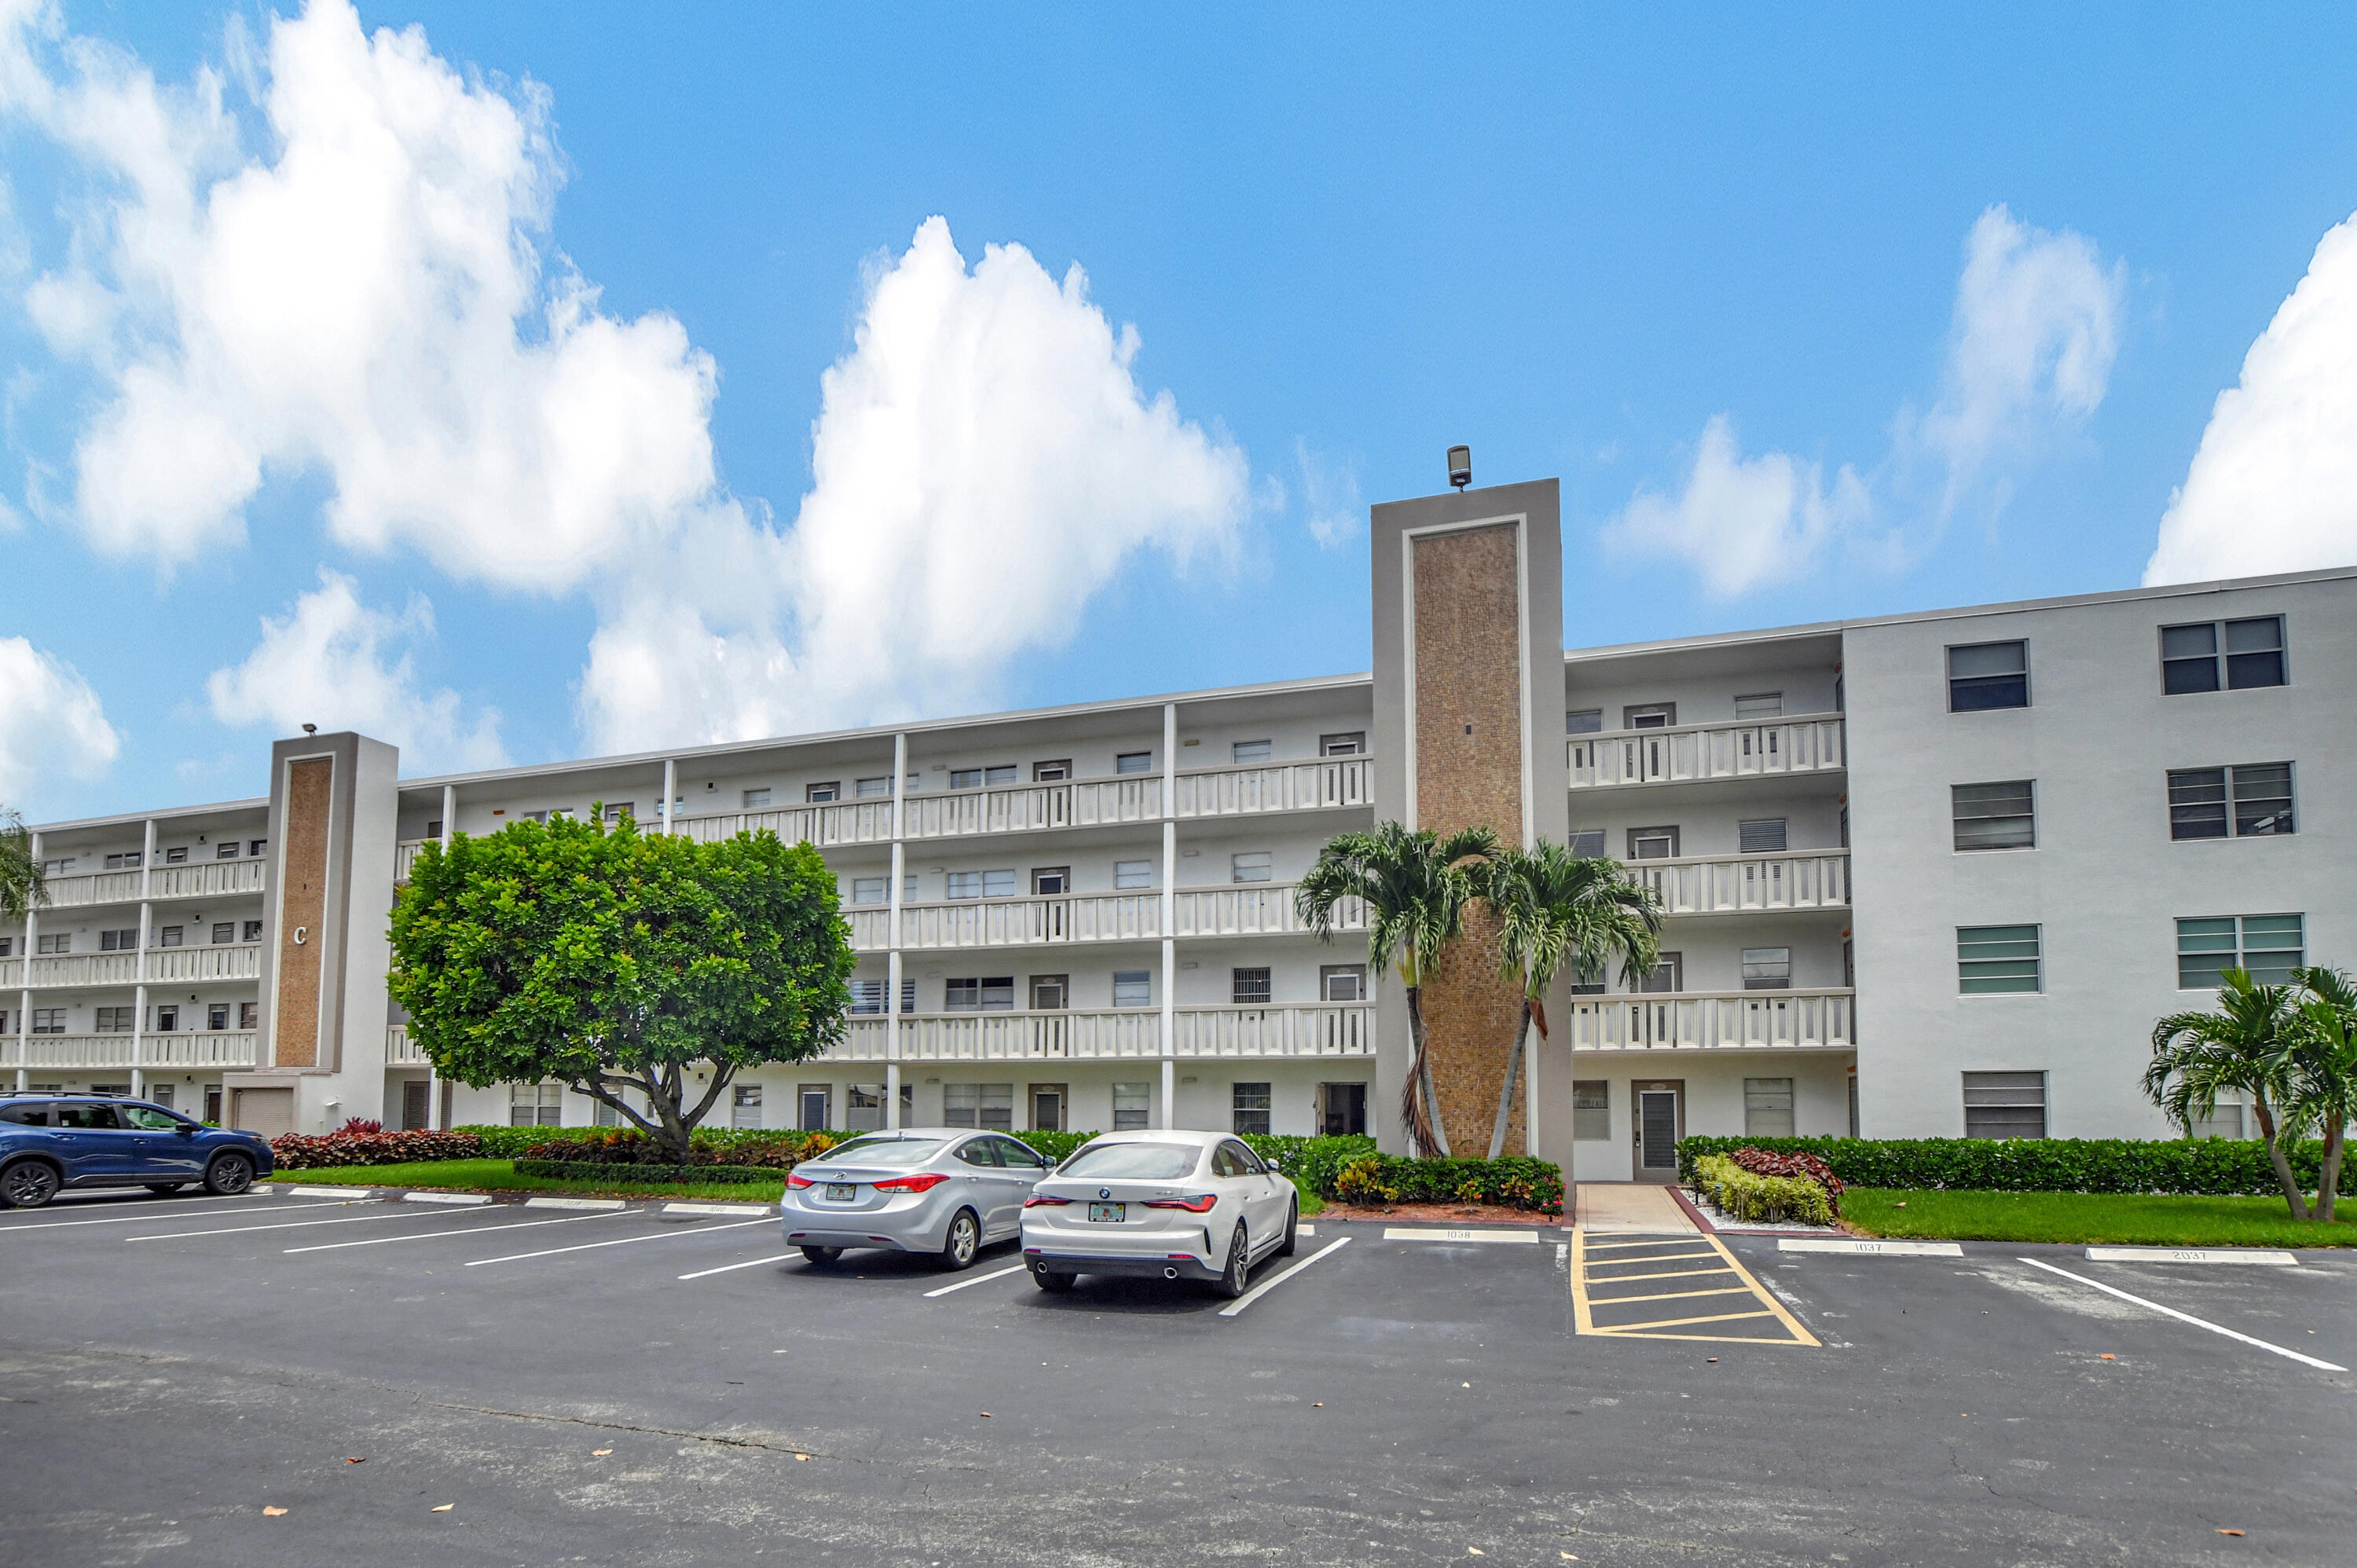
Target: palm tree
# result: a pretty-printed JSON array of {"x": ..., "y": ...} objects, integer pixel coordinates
[
  {"x": 2322, "y": 1055},
  {"x": 21, "y": 885},
  {"x": 1556, "y": 907},
  {"x": 1414, "y": 884},
  {"x": 2196, "y": 1057}
]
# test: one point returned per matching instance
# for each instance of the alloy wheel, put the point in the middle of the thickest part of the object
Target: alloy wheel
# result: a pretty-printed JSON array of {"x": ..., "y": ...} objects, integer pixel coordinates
[
  {"x": 30, "y": 1184},
  {"x": 965, "y": 1240}
]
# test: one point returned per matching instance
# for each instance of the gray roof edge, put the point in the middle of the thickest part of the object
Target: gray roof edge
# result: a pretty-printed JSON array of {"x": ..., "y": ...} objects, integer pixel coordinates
[{"x": 124, "y": 819}]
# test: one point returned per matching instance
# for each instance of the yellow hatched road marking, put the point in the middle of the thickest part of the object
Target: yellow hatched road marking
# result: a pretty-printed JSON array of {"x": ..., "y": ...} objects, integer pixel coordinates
[
  {"x": 1664, "y": 1274},
  {"x": 1669, "y": 1295},
  {"x": 1663, "y": 1242},
  {"x": 1686, "y": 1322},
  {"x": 1584, "y": 1303},
  {"x": 1652, "y": 1257}
]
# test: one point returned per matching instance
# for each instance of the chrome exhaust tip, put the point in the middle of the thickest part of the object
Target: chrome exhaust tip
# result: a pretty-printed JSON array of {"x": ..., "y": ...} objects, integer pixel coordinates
[{"x": 1169, "y": 1273}]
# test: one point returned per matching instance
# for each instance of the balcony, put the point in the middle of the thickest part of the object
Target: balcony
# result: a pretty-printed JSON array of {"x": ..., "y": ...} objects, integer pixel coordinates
[
  {"x": 188, "y": 1048},
  {"x": 1286, "y": 1031},
  {"x": 208, "y": 879},
  {"x": 1714, "y": 1020},
  {"x": 1252, "y": 909},
  {"x": 1327, "y": 785},
  {"x": 1694, "y": 753},
  {"x": 1031, "y": 808},
  {"x": 241, "y": 961},
  {"x": 1748, "y": 884}
]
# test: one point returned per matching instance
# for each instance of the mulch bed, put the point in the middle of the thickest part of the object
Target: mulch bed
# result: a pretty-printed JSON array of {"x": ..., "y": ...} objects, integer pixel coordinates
[{"x": 1454, "y": 1214}]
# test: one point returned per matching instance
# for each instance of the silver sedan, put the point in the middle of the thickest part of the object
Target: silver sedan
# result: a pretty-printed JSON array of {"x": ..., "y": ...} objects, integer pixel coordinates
[{"x": 945, "y": 1190}]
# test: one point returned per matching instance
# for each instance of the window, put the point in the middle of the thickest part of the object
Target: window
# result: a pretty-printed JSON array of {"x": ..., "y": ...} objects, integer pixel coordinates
[
  {"x": 1050, "y": 993},
  {"x": 1584, "y": 721},
  {"x": 814, "y": 1105},
  {"x": 113, "y": 1020},
  {"x": 433, "y": 831},
  {"x": 602, "y": 1115},
  {"x": 7, "y": 945},
  {"x": 1248, "y": 987},
  {"x": 1250, "y": 1101},
  {"x": 997, "y": 884},
  {"x": 1649, "y": 715},
  {"x": 1587, "y": 842},
  {"x": 1995, "y": 958},
  {"x": 535, "y": 816},
  {"x": 161, "y": 1094},
  {"x": 216, "y": 1014},
  {"x": 56, "y": 867},
  {"x": 1983, "y": 675},
  {"x": 2004, "y": 1105},
  {"x": 169, "y": 937},
  {"x": 535, "y": 1105},
  {"x": 1048, "y": 1100},
  {"x": 167, "y": 1018},
  {"x": 2225, "y": 1121},
  {"x": 1342, "y": 981},
  {"x": 976, "y": 777},
  {"x": 878, "y": 788},
  {"x": 1252, "y": 866},
  {"x": 819, "y": 794},
  {"x": 254, "y": 848},
  {"x": 229, "y": 851},
  {"x": 125, "y": 941},
  {"x": 1767, "y": 1107},
  {"x": 745, "y": 1105},
  {"x": 1134, "y": 762},
  {"x": 1591, "y": 1109},
  {"x": 176, "y": 857},
  {"x": 755, "y": 800},
  {"x": 252, "y": 930},
  {"x": 1761, "y": 835},
  {"x": 988, "y": 994},
  {"x": 1130, "y": 873},
  {"x": 1133, "y": 988},
  {"x": 2254, "y": 655},
  {"x": 1995, "y": 816},
  {"x": 871, "y": 889},
  {"x": 224, "y": 931},
  {"x": 1767, "y": 968},
  {"x": 986, "y": 1105},
  {"x": 49, "y": 1020},
  {"x": 1049, "y": 881},
  {"x": 1351, "y": 743},
  {"x": 62, "y": 942},
  {"x": 1668, "y": 975},
  {"x": 863, "y": 1108},
  {"x": 1761, "y": 705},
  {"x": 1052, "y": 773},
  {"x": 2261, "y": 801},
  {"x": 617, "y": 810},
  {"x": 2269, "y": 946},
  {"x": 249, "y": 1014},
  {"x": 1652, "y": 843},
  {"x": 1133, "y": 1107},
  {"x": 1251, "y": 751},
  {"x": 127, "y": 860},
  {"x": 866, "y": 997}
]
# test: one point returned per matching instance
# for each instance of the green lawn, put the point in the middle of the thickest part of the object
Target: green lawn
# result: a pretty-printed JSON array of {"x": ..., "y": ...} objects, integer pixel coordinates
[
  {"x": 2112, "y": 1218},
  {"x": 498, "y": 1176},
  {"x": 1310, "y": 1202}
]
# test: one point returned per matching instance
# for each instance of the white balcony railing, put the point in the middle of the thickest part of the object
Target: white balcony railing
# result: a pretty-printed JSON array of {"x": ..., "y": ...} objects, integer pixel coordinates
[
  {"x": 1713, "y": 1020},
  {"x": 1251, "y": 910},
  {"x": 186, "y": 1048},
  {"x": 1027, "y": 808},
  {"x": 241, "y": 961},
  {"x": 400, "y": 1050},
  {"x": 206, "y": 879},
  {"x": 849, "y": 821},
  {"x": 1286, "y": 1030},
  {"x": 1335, "y": 782},
  {"x": 403, "y": 855},
  {"x": 1731, "y": 885},
  {"x": 1756, "y": 749}
]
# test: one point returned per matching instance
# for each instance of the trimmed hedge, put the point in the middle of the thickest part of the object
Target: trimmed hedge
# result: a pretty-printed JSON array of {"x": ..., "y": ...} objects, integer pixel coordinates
[
  {"x": 516, "y": 1142},
  {"x": 2214, "y": 1167},
  {"x": 592, "y": 1170},
  {"x": 1516, "y": 1181},
  {"x": 1748, "y": 1195},
  {"x": 298, "y": 1151}
]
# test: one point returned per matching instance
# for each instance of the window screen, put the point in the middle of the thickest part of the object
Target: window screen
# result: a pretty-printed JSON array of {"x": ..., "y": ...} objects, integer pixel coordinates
[
  {"x": 1767, "y": 968},
  {"x": 1591, "y": 1109},
  {"x": 1251, "y": 751},
  {"x": 529, "y": 1104},
  {"x": 2252, "y": 649},
  {"x": 1994, "y": 959},
  {"x": 2004, "y": 1105},
  {"x": 871, "y": 889},
  {"x": 1761, "y": 835},
  {"x": 1767, "y": 1107},
  {"x": 1254, "y": 866},
  {"x": 1587, "y": 842},
  {"x": 1995, "y": 816},
  {"x": 1982, "y": 675},
  {"x": 1132, "y": 874},
  {"x": 1584, "y": 721},
  {"x": 872, "y": 789},
  {"x": 745, "y": 1106},
  {"x": 1761, "y": 705},
  {"x": 2269, "y": 946},
  {"x": 1133, "y": 988},
  {"x": 1131, "y": 1105},
  {"x": 1134, "y": 762}
]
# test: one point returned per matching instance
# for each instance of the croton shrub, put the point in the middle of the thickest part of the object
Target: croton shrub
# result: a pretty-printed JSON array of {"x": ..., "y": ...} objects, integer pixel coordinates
[
  {"x": 1756, "y": 1198},
  {"x": 298, "y": 1151}
]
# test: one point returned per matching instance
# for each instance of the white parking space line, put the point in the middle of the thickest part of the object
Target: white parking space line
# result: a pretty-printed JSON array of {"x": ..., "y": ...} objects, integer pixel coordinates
[
  {"x": 438, "y": 1235},
  {"x": 575, "y": 1203},
  {"x": 444, "y": 1198},
  {"x": 1274, "y": 1280},
  {"x": 748, "y": 1263},
  {"x": 285, "y": 1225},
  {"x": 1871, "y": 1249},
  {"x": 1404, "y": 1233},
  {"x": 718, "y": 1208},
  {"x": 978, "y": 1280},
  {"x": 330, "y": 1192},
  {"x": 2185, "y": 1316},
  {"x": 17, "y": 1229},
  {"x": 1301, "y": 1230},
  {"x": 2260, "y": 1255},
  {"x": 624, "y": 1241},
  {"x": 112, "y": 1197}
]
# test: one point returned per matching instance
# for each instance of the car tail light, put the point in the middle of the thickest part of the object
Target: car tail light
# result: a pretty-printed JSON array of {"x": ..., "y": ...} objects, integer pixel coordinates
[
  {"x": 1042, "y": 1200},
  {"x": 924, "y": 1181},
  {"x": 1192, "y": 1205},
  {"x": 796, "y": 1179}
]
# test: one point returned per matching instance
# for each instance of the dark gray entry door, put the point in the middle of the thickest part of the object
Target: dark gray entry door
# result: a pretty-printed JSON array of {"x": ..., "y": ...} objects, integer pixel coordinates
[{"x": 1657, "y": 1134}]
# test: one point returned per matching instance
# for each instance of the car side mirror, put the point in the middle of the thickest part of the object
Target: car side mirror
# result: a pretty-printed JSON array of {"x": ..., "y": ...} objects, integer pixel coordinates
[{"x": 185, "y": 1131}]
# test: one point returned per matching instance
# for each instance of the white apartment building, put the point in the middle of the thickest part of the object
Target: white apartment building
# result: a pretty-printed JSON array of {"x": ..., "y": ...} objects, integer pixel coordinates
[{"x": 1927, "y": 875}]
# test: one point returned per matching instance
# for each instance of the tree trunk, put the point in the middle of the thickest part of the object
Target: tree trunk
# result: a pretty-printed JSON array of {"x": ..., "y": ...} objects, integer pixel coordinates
[
  {"x": 1506, "y": 1090},
  {"x": 1419, "y": 1109},
  {"x": 2327, "y": 1180},
  {"x": 2275, "y": 1157}
]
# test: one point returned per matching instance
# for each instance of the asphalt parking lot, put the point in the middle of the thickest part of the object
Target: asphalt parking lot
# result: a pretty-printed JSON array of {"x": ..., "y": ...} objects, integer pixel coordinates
[{"x": 535, "y": 1384}]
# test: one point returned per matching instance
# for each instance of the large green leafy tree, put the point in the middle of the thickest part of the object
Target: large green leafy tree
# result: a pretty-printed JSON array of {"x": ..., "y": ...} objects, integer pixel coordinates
[
  {"x": 2240, "y": 1048},
  {"x": 1414, "y": 884},
  {"x": 613, "y": 961},
  {"x": 1556, "y": 907},
  {"x": 21, "y": 888}
]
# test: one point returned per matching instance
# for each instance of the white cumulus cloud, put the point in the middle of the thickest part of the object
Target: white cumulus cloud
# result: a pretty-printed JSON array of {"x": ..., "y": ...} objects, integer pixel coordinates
[
  {"x": 2273, "y": 486},
  {"x": 335, "y": 662},
  {"x": 52, "y": 724},
  {"x": 1741, "y": 522}
]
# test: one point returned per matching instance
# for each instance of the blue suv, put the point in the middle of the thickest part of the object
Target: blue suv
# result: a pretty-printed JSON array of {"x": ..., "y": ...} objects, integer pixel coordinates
[{"x": 49, "y": 1142}]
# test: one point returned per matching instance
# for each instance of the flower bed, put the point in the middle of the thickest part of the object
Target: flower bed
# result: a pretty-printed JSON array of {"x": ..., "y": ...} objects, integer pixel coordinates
[
  {"x": 590, "y": 1170},
  {"x": 1807, "y": 1167},
  {"x": 1753, "y": 1198},
  {"x": 297, "y": 1151}
]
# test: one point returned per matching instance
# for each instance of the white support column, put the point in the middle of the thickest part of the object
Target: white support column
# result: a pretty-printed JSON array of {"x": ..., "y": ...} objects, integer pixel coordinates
[
  {"x": 1170, "y": 914},
  {"x": 139, "y": 962},
  {"x": 450, "y": 812},
  {"x": 892, "y": 1022},
  {"x": 24, "y": 996},
  {"x": 671, "y": 792}
]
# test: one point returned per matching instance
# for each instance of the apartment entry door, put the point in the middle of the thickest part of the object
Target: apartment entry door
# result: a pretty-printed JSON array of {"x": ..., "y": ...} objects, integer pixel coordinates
[{"x": 1661, "y": 1122}]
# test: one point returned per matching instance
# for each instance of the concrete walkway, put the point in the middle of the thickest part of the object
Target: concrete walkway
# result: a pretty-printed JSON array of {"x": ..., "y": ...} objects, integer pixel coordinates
[{"x": 1628, "y": 1205}]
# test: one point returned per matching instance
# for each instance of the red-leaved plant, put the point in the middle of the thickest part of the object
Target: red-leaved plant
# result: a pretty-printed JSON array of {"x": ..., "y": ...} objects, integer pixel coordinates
[{"x": 1760, "y": 1162}]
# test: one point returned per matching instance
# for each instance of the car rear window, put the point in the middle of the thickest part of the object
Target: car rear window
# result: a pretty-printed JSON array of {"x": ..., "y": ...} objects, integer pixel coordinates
[
  {"x": 26, "y": 1115},
  {"x": 1132, "y": 1162},
  {"x": 881, "y": 1152}
]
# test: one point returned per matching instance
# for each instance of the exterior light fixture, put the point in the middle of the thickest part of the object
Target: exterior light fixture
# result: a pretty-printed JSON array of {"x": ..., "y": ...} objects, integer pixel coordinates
[
  {"x": 314, "y": 729},
  {"x": 1460, "y": 466}
]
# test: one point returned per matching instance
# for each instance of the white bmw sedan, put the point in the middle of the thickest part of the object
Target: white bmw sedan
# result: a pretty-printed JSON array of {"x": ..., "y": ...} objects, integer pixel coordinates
[{"x": 1192, "y": 1206}]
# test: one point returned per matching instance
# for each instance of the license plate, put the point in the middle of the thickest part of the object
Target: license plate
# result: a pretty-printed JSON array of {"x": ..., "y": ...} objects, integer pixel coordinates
[
  {"x": 1107, "y": 1213},
  {"x": 841, "y": 1192}
]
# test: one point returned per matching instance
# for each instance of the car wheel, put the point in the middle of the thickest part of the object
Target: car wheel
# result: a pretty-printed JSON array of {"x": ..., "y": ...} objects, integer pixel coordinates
[
  {"x": 28, "y": 1184},
  {"x": 229, "y": 1174},
  {"x": 1052, "y": 1281},
  {"x": 964, "y": 1240},
  {"x": 165, "y": 1189},
  {"x": 821, "y": 1254},
  {"x": 1291, "y": 1243},
  {"x": 1237, "y": 1275}
]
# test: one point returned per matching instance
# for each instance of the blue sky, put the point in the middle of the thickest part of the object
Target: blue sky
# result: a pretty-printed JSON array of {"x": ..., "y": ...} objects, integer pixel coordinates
[{"x": 1814, "y": 312}]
